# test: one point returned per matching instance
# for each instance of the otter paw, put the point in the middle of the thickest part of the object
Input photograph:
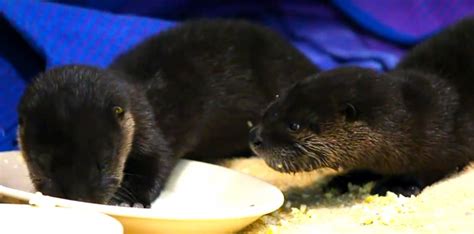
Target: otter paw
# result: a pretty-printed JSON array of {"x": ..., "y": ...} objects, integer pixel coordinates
[
  {"x": 405, "y": 186},
  {"x": 338, "y": 183},
  {"x": 341, "y": 182},
  {"x": 132, "y": 204}
]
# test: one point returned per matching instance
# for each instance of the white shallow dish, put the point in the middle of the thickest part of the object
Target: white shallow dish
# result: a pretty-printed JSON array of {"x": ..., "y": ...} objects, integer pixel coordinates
[
  {"x": 198, "y": 198},
  {"x": 23, "y": 219}
]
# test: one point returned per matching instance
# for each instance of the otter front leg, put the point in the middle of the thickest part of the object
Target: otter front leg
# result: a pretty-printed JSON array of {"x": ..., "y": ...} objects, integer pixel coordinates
[
  {"x": 412, "y": 184},
  {"x": 405, "y": 185},
  {"x": 355, "y": 177},
  {"x": 144, "y": 179}
]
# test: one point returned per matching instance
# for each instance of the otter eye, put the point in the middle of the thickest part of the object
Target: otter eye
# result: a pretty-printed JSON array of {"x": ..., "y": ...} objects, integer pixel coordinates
[
  {"x": 100, "y": 166},
  {"x": 294, "y": 127},
  {"x": 118, "y": 110},
  {"x": 350, "y": 112}
]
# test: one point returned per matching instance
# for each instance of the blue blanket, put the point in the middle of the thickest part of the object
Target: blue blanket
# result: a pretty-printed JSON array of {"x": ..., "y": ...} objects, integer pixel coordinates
[{"x": 39, "y": 35}]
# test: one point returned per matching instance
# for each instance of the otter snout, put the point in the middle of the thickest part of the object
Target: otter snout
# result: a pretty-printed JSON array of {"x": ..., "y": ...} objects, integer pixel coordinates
[
  {"x": 255, "y": 138},
  {"x": 84, "y": 193}
]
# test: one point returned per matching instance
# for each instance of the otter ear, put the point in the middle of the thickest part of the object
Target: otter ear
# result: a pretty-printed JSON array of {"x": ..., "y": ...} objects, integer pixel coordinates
[
  {"x": 350, "y": 112},
  {"x": 118, "y": 111}
]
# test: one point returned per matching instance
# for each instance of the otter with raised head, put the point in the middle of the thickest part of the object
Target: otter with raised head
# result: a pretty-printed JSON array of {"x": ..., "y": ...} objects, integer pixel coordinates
[
  {"x": 407, "y": 128},
  {"x": 114, "y": 135}
]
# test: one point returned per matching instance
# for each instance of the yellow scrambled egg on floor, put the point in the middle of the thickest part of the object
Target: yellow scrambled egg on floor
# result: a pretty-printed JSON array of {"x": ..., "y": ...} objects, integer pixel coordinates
[{"x": 445, "y": 207}]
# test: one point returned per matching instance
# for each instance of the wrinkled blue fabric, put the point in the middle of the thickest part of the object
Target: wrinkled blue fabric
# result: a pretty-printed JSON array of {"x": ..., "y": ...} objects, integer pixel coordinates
[
  {"x": 405, "y": 22},
  {"x": 51, "y": 34},
  {"x": 37, "y": 35}
]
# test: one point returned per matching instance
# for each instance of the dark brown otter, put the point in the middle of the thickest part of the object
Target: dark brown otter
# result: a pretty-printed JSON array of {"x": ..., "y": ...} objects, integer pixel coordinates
[
  {"x": 408, "y": 128},
  {"x": 114, "y": 135}
]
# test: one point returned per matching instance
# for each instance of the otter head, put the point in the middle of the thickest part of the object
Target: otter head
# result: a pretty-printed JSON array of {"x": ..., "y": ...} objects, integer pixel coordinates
[
  {"x": 75, "y": 132},
  {"x": 323, "y": 121}
]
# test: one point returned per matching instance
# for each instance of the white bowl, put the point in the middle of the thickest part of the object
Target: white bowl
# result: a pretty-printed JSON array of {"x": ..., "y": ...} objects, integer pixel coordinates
[
  {"x": 198, "y": 198},
  {"x": 29, "y": 219}
]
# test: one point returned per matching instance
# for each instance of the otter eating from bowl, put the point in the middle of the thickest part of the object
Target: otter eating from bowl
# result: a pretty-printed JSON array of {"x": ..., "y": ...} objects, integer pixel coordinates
[{"x": 407, "y": 128}]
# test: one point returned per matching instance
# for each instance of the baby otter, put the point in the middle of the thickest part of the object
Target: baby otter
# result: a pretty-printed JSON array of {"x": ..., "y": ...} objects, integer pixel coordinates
[
  {"x": 408, "y": 128},
  {"x": 84, "y": 132},
  {"x": 114, "y": 135}
]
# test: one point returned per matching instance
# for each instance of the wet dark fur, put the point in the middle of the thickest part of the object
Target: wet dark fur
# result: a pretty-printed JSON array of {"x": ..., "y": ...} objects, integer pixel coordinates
[
  {"x": 413, "y": 125},
  {"x": 188, "y": 92}
]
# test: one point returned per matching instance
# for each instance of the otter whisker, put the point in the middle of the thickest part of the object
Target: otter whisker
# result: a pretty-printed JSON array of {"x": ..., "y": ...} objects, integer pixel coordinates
[
  {"x": 131, "y": 174},
  {"x": 128, "y": 193},
  {"x": 294, "y": 168},
  {"x": 125, "y": 189},
  {"x": 122, "y": 195},
  {"x": 286, "y": 166},
  {"x": 300, "y": 148},
  {"x": 115, "y": 197}
]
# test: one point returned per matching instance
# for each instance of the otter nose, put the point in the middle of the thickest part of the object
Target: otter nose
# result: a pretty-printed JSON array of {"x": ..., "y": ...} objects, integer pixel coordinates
[{"x": 254, "y": 137}]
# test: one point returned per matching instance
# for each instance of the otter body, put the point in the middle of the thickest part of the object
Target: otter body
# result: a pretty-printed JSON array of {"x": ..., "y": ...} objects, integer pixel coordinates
[
  {"x": 114, "y": 135},
  {"x": 207, "y": 80},
  {"x": 407, "y": 128}
]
